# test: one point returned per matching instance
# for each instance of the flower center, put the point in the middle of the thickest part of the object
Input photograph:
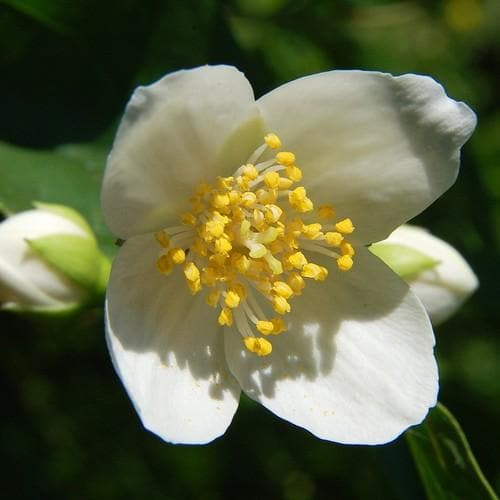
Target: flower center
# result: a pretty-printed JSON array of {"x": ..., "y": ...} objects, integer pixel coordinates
[{"x": 251, "y": 235}]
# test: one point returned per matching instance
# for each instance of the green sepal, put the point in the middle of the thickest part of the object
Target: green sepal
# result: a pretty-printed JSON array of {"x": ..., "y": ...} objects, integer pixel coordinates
[
  {"x": 403, "y": 260},
  {"x": 67, "y": 213},
  {"x": 76, "y": 257},
  {"x": 444, "y": 459}
]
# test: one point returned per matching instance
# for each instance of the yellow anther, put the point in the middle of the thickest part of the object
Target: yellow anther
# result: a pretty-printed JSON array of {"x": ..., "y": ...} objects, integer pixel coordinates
[
  {"x": 281, "y": 305},
  {"x": 213, "y": 229},
  {"x": 188, "y": 218},
  {"x": 200, "y": 247},
  {"x": 344, "y": 263},
  {"x": 208, "y": 276},
  {"x": 250, "y": 171},
  {"x": 164, "y": 264},
  {"x": 297, "y": 260},
  {"x": 259, "y": 346},
  {"x": 333, "y": 238},
  {"x": 312, "y": 231},
  {"x": 284, "y": 183},
  {"x": 296, "y": 282},
  {"x": 220, "y": 200},
  {"x": 273, "y": 141},
  {"x": 242, "y": 264},
  {"x": 234, "y": 197},
  {"x": 225, "y": 317},
  {"x": 346, "y": 249},
  {"x": 194, "y": 286},
  {"x": 248, "y": 199},
  {"x": 268, "y": 235},
  {"x": 315, "y": 272},
  {"x": 196, "y": 205},
  {"x": 162, "y": 238},
  {"x": 191, "y": 272},
  {"x": 265, "y": 327},
  {"x": 232, "y": 299},
  {"x": 282, "y": 289},
  {"x": 267, "y": 196},
  {"x": 202, "y": 188},
  {"x": 299, "y": 200},
  {"x": 278, "y": 326},
  {"x": 242, "y": 182},
  {"x": 285, "y": 158},
  {"x": 177, "y": 255},
  {"x": 272, "y": 179},
  {"x": 326, "y": 212},
  {"x": 213, "y": 297},
  {"x": 294, "y": 173},
  {"x": 344, "y": 226},
  {"x": 223, "y": 246},
  {"x": 239, "y": 289},
  {"x": 264, "y": 286},
  {"x": 225, "y": 183},
  {"x": 272, "y": 213}
]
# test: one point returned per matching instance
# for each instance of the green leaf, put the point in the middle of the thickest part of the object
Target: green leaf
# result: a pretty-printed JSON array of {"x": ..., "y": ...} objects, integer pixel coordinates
[
  {"x": 76, "y": 257},
  {"x": 70, "y": 175},
  {"x": 444, "y": 460},
  {"x": 403, "y": 260}
]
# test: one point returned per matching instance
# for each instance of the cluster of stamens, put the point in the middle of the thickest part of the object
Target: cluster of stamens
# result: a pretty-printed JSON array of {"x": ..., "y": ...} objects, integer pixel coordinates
[{"x": 245, "y": 236}]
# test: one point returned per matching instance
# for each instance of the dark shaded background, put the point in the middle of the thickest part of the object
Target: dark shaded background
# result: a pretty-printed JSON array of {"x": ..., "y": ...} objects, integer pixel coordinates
[{"x": 67, "y": 68}]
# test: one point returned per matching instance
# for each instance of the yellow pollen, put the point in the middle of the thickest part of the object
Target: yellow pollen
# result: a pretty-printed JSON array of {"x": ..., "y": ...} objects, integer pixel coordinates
[
  {"x": 326, "y": 212},
  {"x": 344, "y": 226},
  {"x": 248, "y": 244},
  {"x": 188, "y": 218},
  {"x": 346, "y": 249},
  {"x": 272, "y": 179},
  {"x": 164, "y": 264},
  {"x": 213, "y": 297},
  {"x": 177, "y": 255},
  {"x": 294, "y": 173},
  {"x": 344, "y": 263},
  {"x": 281, "y": 305},
  {"x": 282, "y": 289},
  {"x": 265, "y": 327},
  {"x": 312, "y": 231},
  {"x": 225, "y": 317},
  {"x": 250, "y": 171},
  {"x": 285, "y": 158},
  {"x": 162, "y": 238},
  {"x": 232, "y": 299},
  {"x": 311, "y": 270},
  {"x": 278, "y": 326},
  {"x": 333, "y": 238},
  {"x": 297, "y": 260},
  {"x": 273, "y": 141},
  {"x": 259, "y": 346}
]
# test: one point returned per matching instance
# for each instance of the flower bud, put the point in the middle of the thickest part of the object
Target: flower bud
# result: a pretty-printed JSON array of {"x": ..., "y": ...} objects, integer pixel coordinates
[
  {"x": 49, "y": 260},
  {"x": 435, "y": 271}
]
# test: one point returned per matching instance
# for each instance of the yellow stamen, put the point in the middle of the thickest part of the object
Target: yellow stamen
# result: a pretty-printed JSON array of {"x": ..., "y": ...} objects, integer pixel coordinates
[
  {"x": 247, "y": 236},
  {"x": 344, "y": 226},
  {"x": 273, "y": 141},
  {"x": 259, "y": 346}
]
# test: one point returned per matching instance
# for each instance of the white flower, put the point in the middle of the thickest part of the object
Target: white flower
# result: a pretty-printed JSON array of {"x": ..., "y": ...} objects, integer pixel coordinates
[
  {"x": 445, "y": 284},
  {"x": 356, "y": 363},
  {"x": 49, "y": 260}
]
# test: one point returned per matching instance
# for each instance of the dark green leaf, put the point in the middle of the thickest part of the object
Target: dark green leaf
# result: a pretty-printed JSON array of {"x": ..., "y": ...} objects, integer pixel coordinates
[{"x": 446, "y": 464}]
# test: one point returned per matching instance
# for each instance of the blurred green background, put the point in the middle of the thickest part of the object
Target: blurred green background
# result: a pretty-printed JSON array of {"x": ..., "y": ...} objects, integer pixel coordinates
[{"x": 68, "y": 430}]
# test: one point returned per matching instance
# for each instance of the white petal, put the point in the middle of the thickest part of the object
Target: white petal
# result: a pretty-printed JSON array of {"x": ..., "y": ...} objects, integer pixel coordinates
[
  {"x": 24, "y": 278},
  {"x": 444, "y": 288},
  {"x": 380, "y": 148},
  {"x": 357, "y": 364},
  {"x": 167, "y": 349},
  {"x": 171, "y": 138}
]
